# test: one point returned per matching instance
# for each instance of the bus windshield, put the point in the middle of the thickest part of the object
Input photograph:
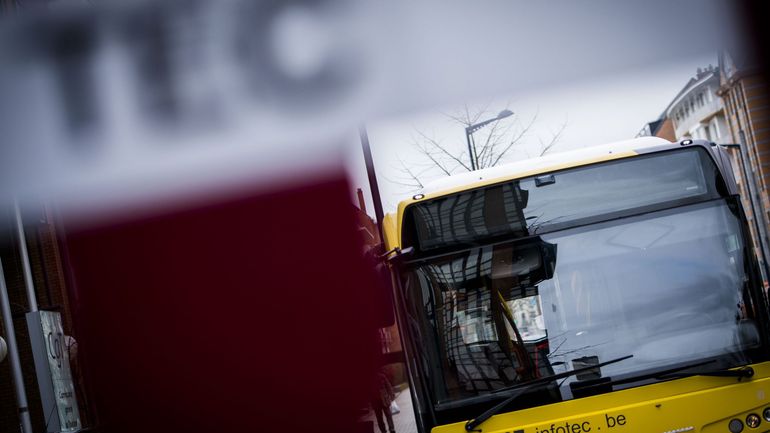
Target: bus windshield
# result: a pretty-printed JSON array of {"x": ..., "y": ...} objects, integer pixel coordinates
[{"x": 669, "y": 286}]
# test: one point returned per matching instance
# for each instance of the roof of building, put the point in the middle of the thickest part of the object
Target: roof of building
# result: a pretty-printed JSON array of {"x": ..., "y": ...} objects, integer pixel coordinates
[
  {"x": 656, "y": 124},
  {"x": 701, "y": 76}
]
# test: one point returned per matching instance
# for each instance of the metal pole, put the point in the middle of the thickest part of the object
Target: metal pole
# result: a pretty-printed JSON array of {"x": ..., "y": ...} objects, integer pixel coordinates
[
  {"x": 475, "y": 153},
  {"x": 28, "y": 281},
  {"x": 378, "y": 213},
  {"x": 470, "y": 129},
  {"x": 470, "y": 148},
  {"x": 13, "y": 352}
]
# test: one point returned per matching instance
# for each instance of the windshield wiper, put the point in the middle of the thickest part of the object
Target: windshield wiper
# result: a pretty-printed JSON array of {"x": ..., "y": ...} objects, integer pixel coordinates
[
  {"x": 677, "y": 372},
  {"x": 526, "y": 386},
  {"x": 741, "y": 373}
]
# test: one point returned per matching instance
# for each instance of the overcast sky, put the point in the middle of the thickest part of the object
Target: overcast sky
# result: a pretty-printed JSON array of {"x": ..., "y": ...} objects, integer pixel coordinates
[{"x": 603, "y": 110}]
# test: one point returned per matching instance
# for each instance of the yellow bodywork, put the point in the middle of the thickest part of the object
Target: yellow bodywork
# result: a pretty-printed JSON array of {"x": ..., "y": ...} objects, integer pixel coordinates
[
  {"x": 389, "y": 231},
  {"x": 694, "y": 404}
]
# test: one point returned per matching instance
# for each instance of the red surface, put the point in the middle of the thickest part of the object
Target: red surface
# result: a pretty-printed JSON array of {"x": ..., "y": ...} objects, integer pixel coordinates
[{"x": 250, "y": 315}]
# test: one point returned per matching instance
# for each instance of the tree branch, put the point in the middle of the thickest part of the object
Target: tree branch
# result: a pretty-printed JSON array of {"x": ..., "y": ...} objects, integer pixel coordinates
[
  {"x": 415, "y": 180},
  {"x": 496, "y": 136},
  {"x": 443, "y": 150},
  {"x": 494, "y": 143},
  {"x": 515, "y": 140},
  {"x": 545, "y": 148},
  {"x": 428, "y": 154}
]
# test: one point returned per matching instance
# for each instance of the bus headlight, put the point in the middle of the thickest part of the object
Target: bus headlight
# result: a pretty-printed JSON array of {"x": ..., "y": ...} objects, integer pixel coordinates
[
  {"x": 766, "y": 414},
  {"x": 735, "y": 426},
  {"x": 753, "y": 420}
]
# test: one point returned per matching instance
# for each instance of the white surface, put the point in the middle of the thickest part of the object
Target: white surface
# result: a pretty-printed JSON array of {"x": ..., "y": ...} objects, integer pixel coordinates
[{"x": 542, "y": 162}]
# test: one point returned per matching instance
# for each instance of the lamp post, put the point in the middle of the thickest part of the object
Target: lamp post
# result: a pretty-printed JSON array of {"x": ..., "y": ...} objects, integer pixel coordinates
[
  {"x": 13, "y": 351},
  {"x": 751, "y": 189},
  {"x": 373, "y": 186},
  {"x": 470, "y": 129}
]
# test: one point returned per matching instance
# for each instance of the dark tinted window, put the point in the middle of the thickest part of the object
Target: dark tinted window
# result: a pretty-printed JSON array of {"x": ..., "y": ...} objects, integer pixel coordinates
[{"x": 556, "y": 200}]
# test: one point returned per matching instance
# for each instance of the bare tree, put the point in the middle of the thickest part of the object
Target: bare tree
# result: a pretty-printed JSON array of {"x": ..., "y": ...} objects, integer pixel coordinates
[
  {"x": 490, "y": 146},
  {"x": 545, "y": 147}
]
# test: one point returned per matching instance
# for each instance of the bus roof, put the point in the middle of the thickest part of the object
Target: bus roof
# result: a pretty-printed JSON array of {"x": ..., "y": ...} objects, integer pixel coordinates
[{"x": 534, "y": 166}]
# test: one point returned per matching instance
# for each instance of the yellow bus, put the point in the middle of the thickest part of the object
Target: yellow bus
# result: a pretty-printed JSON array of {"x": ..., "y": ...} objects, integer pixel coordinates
[{"x": 605, "y": 290}]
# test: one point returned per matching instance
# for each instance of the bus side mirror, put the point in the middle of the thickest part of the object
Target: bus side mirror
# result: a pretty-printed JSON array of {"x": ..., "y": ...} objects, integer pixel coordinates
[
  {"x": 548, "y": 256},
  {"x": 530, "y": 261}
]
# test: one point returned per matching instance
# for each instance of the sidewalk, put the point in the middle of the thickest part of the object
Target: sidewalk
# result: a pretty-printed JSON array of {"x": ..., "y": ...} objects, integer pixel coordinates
[{"x": 404, "y": 420}]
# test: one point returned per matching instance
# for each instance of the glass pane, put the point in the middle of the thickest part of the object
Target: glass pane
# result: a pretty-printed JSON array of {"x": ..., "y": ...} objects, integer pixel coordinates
[
  {"x": 666, "y": 287},
  {"x": 533, "y": 205}
]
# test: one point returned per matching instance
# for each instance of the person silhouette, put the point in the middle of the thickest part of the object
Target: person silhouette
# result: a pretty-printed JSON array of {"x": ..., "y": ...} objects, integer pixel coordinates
[{"x": 381, "y": 398}]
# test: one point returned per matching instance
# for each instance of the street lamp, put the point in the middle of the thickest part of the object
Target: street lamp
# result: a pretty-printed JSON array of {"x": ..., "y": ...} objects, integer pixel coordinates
[{"x": 470, "y": 129}]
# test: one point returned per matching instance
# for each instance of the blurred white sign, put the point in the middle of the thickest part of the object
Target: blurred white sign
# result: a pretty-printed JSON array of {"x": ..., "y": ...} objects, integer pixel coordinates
[{"x": 149, "y": 100}]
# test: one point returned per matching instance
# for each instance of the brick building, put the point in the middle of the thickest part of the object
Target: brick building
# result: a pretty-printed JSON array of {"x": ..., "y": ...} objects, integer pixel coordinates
[
  {"x": 729, "y": 105},
  {"x": 697, "y": 111},
  {"x": 745, "y": 94},
  {"x": 663, "y": 128}
]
